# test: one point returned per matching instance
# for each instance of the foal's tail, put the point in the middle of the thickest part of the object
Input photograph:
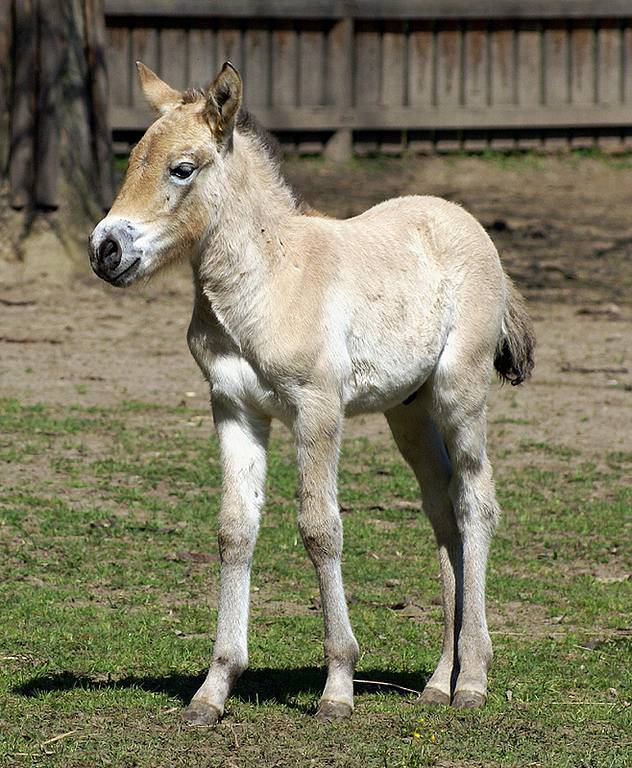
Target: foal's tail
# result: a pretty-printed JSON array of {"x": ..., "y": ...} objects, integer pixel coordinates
[{"x": 514, "y": 358}]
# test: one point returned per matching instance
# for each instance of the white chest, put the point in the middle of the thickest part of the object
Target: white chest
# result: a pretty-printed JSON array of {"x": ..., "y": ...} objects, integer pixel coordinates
[{"x": 230, "y": 376}]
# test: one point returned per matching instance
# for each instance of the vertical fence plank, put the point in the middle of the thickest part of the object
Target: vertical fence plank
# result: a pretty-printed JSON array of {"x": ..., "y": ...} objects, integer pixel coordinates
[
  {"x": 311, "y": 88},
  {"x": 582, "y": 75},
  {"x": 421, "y": 77},
  {"x": 626, "y": 60},
  {"x": 173, "y": 57},
  {"x": 556, "y": 59},
  {"x": 421, "y": 65},
  {"x": 529, "y": 74},
  {"x": 118, "y": 39},
  {"x": 502, "y": 70},
  {"x": 257, "y": 67},
  {"x": 475, "y": 65},
  {"x": 202, "y": 57},
  {"x": 144, "y": 42},
  {"x": 582, "y": 55},
  {"x": 626, "y": 72},
  {"x": 284, "y": 70},
  {"x": 340, "y": 85},
  {"x": 393, "y": 78},
  {"x": 284, "y": 66},
  {"x": 609, "y": 63},
  {"x": 449, "y": 69},
  {"x": 503, "y": 83},
  {"x": 311, "y": 85},
  {"x": 609, "y": 76},
  {"x": 449, "y": 65},
  {"x": 475, "y": 71},
  {"x": 556, "y": 75},
  {"x": 393, "y": 84},
  {"x": 228, "y": 44},
  {"x": 367, "y": 70}
]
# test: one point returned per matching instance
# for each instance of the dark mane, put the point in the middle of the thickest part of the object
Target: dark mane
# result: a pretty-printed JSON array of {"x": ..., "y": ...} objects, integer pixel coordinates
[
  {"x": 247, "y": 125},
  {"x": 191, "y": 95}
]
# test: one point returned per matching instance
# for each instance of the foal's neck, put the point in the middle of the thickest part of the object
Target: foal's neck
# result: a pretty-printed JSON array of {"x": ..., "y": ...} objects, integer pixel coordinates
[{"x": 238, "y": 256}]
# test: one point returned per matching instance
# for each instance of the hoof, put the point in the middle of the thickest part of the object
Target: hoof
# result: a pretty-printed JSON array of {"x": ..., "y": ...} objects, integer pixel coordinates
[
  {"x": 435, "y": 697},
  {"x": 332, "y": 710},
  {"x": 468, "y": 700},
  {"x": 201, "y": 713}
]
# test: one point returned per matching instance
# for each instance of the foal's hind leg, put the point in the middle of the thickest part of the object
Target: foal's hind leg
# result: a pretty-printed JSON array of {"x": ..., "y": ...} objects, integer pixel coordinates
[
  {"x": 459, "y": 395},
  {"x": 422, "y": 446}
]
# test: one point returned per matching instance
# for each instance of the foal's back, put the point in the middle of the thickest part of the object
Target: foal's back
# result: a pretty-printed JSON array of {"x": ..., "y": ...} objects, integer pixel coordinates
[
  {"x": 415, "y": 240},
  {"x": 396, "y": 282}
]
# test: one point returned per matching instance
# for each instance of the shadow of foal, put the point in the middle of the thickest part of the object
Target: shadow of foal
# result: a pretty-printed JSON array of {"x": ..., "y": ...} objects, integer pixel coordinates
[{"x": 277, "y": 686}]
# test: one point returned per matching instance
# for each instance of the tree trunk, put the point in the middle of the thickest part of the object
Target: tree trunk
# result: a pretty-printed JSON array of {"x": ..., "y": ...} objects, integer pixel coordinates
[{"x": 55, "y": 139}]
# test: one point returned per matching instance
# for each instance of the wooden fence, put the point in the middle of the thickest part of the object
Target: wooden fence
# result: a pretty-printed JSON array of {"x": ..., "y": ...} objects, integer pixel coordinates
[{"x": 375, "y": 75}]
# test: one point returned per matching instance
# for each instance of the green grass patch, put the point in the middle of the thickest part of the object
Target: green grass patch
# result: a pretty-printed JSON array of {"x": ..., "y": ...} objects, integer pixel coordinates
[{"x": 108, "y": 581}]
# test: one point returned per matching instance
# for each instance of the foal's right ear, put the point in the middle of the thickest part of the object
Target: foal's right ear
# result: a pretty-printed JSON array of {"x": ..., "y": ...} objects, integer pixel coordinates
[
  {"x": 161, "y": 97},
  {"x": 223, "y": 99}
]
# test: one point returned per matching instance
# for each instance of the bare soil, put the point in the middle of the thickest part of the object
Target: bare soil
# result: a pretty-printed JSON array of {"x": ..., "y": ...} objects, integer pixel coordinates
[{"x": 564, "y": 231}]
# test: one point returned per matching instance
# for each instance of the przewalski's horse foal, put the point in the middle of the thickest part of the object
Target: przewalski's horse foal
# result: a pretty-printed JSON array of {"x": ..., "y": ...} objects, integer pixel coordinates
[{"x": 404, "y": 309}]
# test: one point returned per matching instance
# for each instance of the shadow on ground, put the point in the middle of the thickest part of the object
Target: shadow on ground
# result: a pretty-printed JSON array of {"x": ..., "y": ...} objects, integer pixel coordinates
[{"x": 280, "y": 686}]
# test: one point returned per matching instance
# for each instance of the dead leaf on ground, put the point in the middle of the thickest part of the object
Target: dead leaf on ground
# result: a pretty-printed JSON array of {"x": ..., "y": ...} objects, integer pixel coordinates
[
  {"x": 609, "y": 311},
  {"x": 193, "y": 557},
  {"x": 408, "y": 609},
  {"x": 613, "y": 579},
  {"x": 571, "y": 368}
]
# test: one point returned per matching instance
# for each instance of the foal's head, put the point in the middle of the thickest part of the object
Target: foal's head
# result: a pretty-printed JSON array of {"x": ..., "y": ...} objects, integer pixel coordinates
[{"x": 173, "y": 186}]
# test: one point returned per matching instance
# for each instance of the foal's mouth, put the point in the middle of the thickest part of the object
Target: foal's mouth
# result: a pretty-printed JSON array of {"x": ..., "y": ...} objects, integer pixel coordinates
[{"x": 121, "y": 279}]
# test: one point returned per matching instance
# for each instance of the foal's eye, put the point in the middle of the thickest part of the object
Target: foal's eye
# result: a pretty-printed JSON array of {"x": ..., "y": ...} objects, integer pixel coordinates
[{"x": 182, "y": 171}]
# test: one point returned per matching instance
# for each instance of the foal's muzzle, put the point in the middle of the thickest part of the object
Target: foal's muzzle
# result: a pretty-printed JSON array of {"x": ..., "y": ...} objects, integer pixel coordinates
[{"x": 114, "y": 255}]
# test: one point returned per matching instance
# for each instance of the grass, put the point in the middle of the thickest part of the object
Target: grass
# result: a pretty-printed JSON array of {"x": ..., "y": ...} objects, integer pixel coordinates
[{"x": 108, "y": 578}]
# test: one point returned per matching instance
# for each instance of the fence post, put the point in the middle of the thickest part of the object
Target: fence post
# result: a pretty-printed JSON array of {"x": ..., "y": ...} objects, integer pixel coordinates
[{"x": 340, "y": 146}]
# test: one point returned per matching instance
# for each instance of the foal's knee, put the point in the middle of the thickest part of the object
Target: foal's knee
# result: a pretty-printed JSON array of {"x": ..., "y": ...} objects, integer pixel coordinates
[
  {"x": 321, "y": 531},
  {"x": 236, "y": 537},
  {"x": 473, "y": 495}
]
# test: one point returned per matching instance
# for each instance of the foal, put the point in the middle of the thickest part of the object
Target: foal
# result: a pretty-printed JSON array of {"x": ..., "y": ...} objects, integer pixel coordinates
[{"x": 404, "y": 309}]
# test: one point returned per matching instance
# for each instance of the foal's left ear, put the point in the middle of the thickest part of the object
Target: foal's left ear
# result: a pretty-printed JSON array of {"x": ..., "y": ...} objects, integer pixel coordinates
[{"x": 223, "y": 99}]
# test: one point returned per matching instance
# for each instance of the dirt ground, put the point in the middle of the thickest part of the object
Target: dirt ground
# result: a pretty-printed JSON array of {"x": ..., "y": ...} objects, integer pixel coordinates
[{"x": 564, "y": 230}]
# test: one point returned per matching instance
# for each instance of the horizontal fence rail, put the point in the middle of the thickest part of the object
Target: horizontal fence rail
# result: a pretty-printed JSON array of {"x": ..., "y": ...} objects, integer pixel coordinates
[{"x": 388, "y": 76}]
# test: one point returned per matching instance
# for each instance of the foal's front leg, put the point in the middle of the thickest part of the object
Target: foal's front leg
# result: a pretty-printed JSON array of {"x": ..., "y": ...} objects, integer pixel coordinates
[
  {"x": 318, "y": 441},
  {"x": 243, "y": 442}
]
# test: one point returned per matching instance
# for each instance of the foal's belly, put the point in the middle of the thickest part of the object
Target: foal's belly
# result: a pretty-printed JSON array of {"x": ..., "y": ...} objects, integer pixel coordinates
[
  {"x": 391, "y": 350},
  {"x": 375, "y": 383}
]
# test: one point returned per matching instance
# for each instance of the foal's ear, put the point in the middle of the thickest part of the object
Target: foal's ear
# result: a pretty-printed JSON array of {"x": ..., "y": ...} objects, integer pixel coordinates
[
  {"x": 161, "y": 97},
  {"x": 223, "y": 99}
]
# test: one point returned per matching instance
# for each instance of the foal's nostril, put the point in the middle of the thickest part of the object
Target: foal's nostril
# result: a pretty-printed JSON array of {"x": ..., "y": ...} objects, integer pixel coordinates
[{"x": 109, "y": 253}]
